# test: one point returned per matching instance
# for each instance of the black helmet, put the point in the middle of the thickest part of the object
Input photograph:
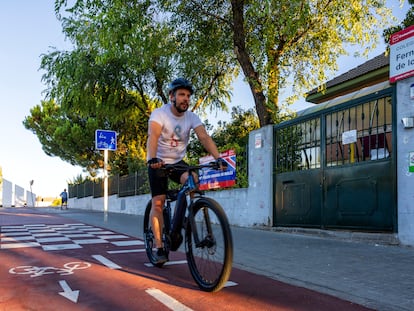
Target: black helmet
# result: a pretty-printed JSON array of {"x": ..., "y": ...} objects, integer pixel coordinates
[{"x": 180, "y": 83}]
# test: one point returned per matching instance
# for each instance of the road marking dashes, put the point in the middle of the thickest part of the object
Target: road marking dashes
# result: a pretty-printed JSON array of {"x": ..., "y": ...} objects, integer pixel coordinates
[
  {"x": 168, "y": 263},
  {"x": 167, "y": 300},
  {"x": 105, "y": 261},
  {"x": 124, "y": 251}
]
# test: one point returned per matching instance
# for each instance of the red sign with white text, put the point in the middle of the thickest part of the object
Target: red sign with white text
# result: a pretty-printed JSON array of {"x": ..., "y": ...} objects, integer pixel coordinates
[{"x": 402, "y": 54}]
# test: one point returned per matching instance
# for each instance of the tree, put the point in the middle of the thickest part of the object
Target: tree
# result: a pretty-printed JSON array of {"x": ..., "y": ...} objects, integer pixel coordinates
[
  {"x": 230, "y": 135},
  {"x": 71, "y": 136},
  {"x": 122, "y": 59},
  {"x": 140, "y": 38},
  {"x": 408, "y": 21},
  {"x": 276, "y": 42},
  {"x": 233, "y": 134},
  {"x": 125, "y": 52}
]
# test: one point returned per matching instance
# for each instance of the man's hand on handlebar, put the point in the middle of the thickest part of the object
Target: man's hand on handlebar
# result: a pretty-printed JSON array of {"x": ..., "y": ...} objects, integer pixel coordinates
[{"x": 155, "y": 163}]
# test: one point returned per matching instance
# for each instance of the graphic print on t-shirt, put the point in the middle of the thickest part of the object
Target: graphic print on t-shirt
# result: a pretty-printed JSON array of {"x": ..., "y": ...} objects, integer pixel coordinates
[{"x": 176, "y": 136}]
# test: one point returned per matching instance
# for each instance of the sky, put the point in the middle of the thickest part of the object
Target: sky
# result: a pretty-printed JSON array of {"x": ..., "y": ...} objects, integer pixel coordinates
[{"x": 28, "y": 29}]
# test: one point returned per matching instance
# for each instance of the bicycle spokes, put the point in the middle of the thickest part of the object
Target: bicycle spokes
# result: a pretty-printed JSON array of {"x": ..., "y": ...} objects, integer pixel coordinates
[{"x": 209, "y": 245}]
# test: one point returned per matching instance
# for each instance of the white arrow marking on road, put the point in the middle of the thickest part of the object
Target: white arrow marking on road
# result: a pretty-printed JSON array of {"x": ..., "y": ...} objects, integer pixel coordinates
[{"x": 68, "y": 293}]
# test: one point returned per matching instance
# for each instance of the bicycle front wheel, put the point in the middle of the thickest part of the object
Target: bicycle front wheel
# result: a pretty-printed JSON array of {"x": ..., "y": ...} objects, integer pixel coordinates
[{"x": 210, "y": 258}]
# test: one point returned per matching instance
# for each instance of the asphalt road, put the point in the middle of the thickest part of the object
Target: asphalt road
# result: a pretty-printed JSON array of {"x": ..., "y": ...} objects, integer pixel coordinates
[{"x": 73, "y": 260}]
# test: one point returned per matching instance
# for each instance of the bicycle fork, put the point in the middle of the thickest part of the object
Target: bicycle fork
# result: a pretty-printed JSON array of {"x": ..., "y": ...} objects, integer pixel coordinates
[
  {"x": 208, "y": 240},
  {"x": 167, "y": 224}
]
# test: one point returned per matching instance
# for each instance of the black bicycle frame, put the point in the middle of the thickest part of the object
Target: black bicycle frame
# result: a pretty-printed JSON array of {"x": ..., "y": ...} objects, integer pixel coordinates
[{"x": 181, "y": 206}]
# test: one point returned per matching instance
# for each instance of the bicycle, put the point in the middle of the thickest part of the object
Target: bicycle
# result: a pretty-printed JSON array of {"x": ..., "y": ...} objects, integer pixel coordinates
[
  {"x": 208, "y": 238},
  {"x": 34, "y": 271}
]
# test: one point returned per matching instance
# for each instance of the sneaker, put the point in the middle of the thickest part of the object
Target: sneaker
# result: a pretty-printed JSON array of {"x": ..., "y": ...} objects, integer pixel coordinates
[{"x": 161, "y": 256}]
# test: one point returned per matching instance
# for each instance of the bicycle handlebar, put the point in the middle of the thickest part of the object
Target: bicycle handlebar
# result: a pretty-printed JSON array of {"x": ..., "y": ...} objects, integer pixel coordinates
[{"x": 213, "y": 165}]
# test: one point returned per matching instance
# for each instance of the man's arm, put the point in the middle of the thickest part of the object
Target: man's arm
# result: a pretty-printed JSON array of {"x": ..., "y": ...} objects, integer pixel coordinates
[
  {"x": 154, "y": 132},
  {"x": 207, "y": 141}
]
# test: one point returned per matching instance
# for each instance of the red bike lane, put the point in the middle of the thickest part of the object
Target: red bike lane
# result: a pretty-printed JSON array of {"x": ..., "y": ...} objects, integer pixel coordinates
[{"x": 48, "y": 262}]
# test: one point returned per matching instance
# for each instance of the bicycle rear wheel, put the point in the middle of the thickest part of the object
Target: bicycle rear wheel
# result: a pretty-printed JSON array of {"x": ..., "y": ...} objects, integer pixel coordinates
[
  {"x": 149, "y": 239},
  {"x": 210, "y": 261}
]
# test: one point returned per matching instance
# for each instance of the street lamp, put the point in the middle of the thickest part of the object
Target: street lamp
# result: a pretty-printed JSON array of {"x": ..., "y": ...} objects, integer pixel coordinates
[{"x": 31, "y": 192}]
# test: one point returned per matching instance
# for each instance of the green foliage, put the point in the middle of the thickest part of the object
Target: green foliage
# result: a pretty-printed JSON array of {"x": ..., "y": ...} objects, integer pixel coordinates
[
  {"x": 72, "y": 137},
  {"x": 280, "y": 43},
  {"x": 122, "y": 60},
  {"x": 125, "y": 52},
  {"x": 230, "y": 135},
  {"x": 408, "y": 21},
  {"x": 78, "y": 180}
]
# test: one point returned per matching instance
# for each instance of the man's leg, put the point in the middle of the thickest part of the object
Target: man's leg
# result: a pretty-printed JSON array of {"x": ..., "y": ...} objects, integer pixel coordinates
[{"x": 157, "y": 219}]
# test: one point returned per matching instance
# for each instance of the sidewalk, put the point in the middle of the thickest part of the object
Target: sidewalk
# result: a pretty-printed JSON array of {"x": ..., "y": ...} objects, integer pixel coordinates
[{"x": 370, "y": 271}]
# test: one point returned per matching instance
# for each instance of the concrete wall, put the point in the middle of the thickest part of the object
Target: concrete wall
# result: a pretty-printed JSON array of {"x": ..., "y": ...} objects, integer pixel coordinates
[
  {"x": 244, "y": 207},
  {"x": 7, "y": 193},
  {"x": 254, "y": 206},
  {"x": 405, "y": 179},
  {"x": 30, "y": 198},
  {"x": 19, "y": 197}
]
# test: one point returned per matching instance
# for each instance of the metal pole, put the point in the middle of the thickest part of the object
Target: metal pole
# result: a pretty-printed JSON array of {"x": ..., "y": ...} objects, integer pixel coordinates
[
  {"x": 31, "y": 192},
  {"x": 105, "y": 185}
]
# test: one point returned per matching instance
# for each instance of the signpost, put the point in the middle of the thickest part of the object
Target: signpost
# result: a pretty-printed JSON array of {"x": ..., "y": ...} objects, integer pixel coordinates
[
  {"x": 105, "y": 140},
  {"x": 402, "y": 54}
]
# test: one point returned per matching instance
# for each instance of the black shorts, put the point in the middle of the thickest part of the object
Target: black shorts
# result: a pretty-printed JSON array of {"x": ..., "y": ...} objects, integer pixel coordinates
[{"x": 158, "y": 179}]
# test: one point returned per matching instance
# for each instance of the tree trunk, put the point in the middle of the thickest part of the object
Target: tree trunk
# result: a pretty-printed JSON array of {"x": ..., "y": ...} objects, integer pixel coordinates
[{"x": 243, "y": 58}]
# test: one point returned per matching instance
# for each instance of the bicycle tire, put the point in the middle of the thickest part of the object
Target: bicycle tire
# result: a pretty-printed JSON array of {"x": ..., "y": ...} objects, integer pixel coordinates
[
  {"x": 149, "y": 239},
  {"x": 211, "y": 263}
]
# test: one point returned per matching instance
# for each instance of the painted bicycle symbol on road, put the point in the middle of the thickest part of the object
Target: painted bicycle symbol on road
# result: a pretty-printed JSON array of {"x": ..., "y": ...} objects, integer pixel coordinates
[{"x": 34, "y": 271}]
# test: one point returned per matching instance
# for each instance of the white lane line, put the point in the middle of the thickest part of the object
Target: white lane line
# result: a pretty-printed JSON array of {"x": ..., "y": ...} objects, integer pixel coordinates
[
  {"x": 13, "y": 233},
  {"x": 106, "y": 262},
  {"x": 50, "y": 240},
  {"x": 112, "y": 236},
  {"x": 79, "y": 235},
  {"x": 167, "y": 300},
  {"x": 124, "y": 251},
  {"x": 90, "y": 241},
  {"x": 58, "y": 247},
  {"x": 12, "y": 228},
  {"x": 17, "y": 238},
  {"x": 230, "y": 283},
  {"x": 128, "y": 243},
  {"x": 168, "y": 263},
  {"x": 18, "y": 245}
]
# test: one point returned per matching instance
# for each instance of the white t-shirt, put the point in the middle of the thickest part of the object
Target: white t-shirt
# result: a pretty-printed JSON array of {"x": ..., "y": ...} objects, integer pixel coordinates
[{"x": 175, "y": 133}]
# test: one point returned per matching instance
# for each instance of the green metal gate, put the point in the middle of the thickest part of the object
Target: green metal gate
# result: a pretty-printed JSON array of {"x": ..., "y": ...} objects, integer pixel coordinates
[{"x": 335, "y": 167}]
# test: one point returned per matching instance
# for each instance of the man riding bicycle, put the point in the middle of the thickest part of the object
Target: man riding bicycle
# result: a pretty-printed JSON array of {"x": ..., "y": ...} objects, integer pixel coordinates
[{"x": 168, "y": 135}]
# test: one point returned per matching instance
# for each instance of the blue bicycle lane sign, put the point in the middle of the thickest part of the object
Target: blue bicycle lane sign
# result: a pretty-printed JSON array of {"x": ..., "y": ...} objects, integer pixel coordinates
[{"x": 105, "y": 140}]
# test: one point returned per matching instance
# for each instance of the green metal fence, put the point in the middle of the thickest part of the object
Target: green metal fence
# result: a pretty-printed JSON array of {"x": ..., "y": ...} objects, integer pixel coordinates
[{"x": 137, "y": 183}]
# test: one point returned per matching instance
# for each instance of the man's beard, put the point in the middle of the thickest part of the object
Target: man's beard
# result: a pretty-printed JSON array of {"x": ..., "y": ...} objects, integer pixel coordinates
[{"x": 178, "y": 108}]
